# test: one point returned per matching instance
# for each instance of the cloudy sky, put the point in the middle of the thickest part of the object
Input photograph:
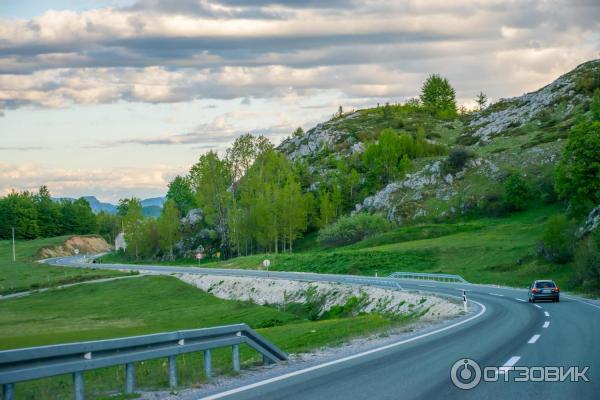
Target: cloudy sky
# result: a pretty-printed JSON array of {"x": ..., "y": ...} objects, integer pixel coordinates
[{"x": 113, "y": 98}]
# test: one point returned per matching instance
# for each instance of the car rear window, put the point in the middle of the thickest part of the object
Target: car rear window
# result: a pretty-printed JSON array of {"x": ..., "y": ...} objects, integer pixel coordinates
[{"x": 543, "y": 285}]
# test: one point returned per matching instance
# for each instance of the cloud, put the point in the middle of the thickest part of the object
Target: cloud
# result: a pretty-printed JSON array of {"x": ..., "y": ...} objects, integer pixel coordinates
[
  {"x": 108, "y": 183},
  {"x": 22, "y": 148},
  {"x": 159, "y": 51}
]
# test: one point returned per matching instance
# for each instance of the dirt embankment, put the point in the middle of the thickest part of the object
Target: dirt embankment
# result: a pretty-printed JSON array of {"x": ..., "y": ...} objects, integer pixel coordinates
[
  {"x": 84, "y": 244},
  {"x": 325, "y": 296}
]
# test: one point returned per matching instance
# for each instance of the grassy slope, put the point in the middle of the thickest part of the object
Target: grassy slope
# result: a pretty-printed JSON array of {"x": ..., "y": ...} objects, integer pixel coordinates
[
  {"x": 485, "y": 250},
  {"x": 25, "y": 274},
  {"x": 154, "y": 304}
]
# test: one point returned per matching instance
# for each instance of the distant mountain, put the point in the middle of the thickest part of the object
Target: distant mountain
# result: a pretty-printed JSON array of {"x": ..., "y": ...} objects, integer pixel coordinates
[
  {"x": 152, "y": 211},
  {"x": 98, "y": 206},
  {"x": 154, "y": 201},
  {"x": 151, "y": 207}
]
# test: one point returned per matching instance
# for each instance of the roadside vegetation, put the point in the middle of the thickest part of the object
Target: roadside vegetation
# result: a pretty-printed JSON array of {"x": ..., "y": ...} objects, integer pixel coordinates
[
  {"x": 26, "y": 274},
  {"x": 153, "y": 304}
]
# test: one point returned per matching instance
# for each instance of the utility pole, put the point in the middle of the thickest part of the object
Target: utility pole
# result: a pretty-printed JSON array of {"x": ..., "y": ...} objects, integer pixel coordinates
[{"x": 14, "y": 253}]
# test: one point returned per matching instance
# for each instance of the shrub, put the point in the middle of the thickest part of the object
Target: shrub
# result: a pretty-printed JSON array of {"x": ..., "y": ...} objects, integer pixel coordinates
[
  {"x": 457, "y": 159},
  {"x": 516, "y": 193},
  {"x": 595, "y": 105},
  {"x": 587, "y": 263},
  {"x": 578, "y": 174},
  {"x": 558, "y": 240},
  {"x": 351, "y": 229},
  {"x": 492, "y": 205},
  {"x": 588, "y": 81}
]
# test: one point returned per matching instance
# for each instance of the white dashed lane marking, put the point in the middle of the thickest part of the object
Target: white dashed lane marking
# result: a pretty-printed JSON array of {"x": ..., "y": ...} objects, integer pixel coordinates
[
  {"x": 546, "y": 313},
  {"x": 509, "y": 364},
  {"x": 534, "y": 339},
  {"x": 538, "y": 306},
  {"x": 518, "y": 299},
  {"x": 546, "y": 324}
]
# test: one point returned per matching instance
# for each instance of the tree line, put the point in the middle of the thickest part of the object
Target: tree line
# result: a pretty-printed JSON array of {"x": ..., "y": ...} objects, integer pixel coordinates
[{"x": 35, "y": 215}]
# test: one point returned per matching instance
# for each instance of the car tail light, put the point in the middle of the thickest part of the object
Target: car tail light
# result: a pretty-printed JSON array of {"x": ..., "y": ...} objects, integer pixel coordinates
[
  {"x": 557, "y": 289},
  {"x": 534, "y": 290}
]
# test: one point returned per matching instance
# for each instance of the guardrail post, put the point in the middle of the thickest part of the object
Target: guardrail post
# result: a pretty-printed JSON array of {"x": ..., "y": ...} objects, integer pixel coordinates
[
  {"x": 8, "y": 391},
  {"x": 129, "y": 377},
  {"x": 78, "y": 385},
  {"x": 266, "y": 360},
  {"x": 208, "y": 363},
  {"x": 235, "y": 351},
  {"x": 172, "y": 371}
]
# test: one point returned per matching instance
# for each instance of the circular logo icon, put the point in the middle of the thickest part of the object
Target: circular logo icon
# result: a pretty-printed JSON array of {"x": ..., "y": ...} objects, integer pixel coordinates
[{"x": 465, "y": 374}]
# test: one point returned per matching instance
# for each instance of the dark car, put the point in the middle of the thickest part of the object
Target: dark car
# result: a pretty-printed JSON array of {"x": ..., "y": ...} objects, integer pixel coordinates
[{"x": 544, "y": 290}]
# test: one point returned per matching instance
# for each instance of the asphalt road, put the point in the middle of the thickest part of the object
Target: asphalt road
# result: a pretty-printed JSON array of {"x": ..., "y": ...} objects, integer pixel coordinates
[{"x": 504, "y": 330}]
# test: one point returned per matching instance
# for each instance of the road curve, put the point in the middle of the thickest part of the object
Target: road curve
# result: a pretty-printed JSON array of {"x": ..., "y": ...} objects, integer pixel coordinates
[{"x": 510, "y": 331}]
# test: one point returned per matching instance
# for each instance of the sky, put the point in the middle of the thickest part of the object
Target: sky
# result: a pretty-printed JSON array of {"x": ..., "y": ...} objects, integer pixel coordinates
[{"x": 114, "y": 98}]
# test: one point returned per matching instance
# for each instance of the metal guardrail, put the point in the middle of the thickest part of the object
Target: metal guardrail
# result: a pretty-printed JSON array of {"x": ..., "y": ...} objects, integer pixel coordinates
[
  {"x": 45, "y": 361},
  {"x": 429, "y": 277}
]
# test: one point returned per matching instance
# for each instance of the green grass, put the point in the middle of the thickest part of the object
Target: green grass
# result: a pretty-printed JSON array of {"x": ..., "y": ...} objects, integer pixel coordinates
[
  {"x": 25, "y": 274},
  {"x": 482, "y": 250},
  {"x": 153, "y": 304}
]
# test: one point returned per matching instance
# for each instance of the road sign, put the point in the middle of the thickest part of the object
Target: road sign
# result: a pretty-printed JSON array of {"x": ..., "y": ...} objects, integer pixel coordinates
[
  {"x": 199, "y": 256},
  {"x": 266, "y": 263}
]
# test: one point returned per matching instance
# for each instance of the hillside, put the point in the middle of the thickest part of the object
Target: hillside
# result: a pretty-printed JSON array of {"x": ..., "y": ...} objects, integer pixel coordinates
[{"x": 524, "y": 133}]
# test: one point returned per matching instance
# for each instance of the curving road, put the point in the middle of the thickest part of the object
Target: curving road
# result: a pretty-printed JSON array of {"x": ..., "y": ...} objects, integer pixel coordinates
[{"x": 503, "y": 330}]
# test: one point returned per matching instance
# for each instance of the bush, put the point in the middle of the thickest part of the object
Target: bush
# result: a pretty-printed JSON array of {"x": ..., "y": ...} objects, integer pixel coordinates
[
  {"x": 587, "y": 263},
  {"x": 516, "y": 193},
  {"x": 595, "y": 105},
  {"x": 588, "y": 81},
  {"x": 558, "y": 240},
  {"x": 351, "y": 229},
  {"x": 457, "y": 159},
  {"x": 578, "y": 174}
]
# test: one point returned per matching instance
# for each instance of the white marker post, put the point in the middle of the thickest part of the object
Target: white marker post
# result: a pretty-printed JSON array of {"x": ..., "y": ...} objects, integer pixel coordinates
[
  {"x": 465, "y": 305},
  {"x": 14, "y": 252},
  {"x": 266, "y": 264}
]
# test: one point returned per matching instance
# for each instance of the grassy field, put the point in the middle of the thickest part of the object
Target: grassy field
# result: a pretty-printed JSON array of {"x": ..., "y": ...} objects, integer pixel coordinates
[
  {"x": 155, "y": 304},
  {"x": 483, "y": 250},
  {"x": 25, "y": 274}
]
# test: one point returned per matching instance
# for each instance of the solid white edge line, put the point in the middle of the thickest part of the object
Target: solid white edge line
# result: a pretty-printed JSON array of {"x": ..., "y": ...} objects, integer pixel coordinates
[
  {"x": 546, "y": 324},
  {"x": 509, "y": 364},
  {"x": 341, "y": 360},
  {"x": 534, "y": 339},
  {"x": 537, "y": 305},
  {"x": 581, "y": 301},
  {"x": 546, "y": 313},
  {"x": 431, "y": 286}
]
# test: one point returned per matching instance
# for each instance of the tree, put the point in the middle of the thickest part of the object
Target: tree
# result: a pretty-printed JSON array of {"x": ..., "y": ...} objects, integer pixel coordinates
[
  {"x": 382, "y": 158},
  {"x": 211, "y": 178},
  {"x": 168, "y": 228},
  {"x": 18, "y": 210},
  {"x": 595, "y": 105},
  {"x": 481, "y": 100},
  {"x": 299, "y": 132},
  {"x": 326, "y": 209},
  {"x": 132, "y": 223},
  {"x": 516, "y": 192},
  {"x": 48, "y": 212},
  {"x": 438, "y": 96},
  {"x": 180, "y": 192},
  {"x": 578, "y": 174},
  {"x": 558, "y": 241}
]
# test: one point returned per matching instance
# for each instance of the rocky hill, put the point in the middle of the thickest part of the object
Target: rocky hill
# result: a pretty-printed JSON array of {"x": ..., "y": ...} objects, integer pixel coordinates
[{"x": 523, "y": 134}]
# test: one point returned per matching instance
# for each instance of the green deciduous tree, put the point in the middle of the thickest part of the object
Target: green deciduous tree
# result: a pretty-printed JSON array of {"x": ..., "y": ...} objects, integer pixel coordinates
[
  {"x": 168, "y": 228},
  {"x": 578, "y": 174},
  {"x": 517, "y": 192},
  {"x": 132, "y": 223},
  {"x": 438, "y": 96},
  {"x": 180, "y": 192}
]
